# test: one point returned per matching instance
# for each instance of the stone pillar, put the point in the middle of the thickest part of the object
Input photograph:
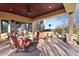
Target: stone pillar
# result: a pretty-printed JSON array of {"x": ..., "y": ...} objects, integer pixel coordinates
[
  {"x": 0, "y": 29},
  {"x": 33, "y": 27},
  {"x": 71, "y": 25},
  {"x": 30, "y": 27},
  {"x": 9, "y": 26},
  {"x": 0, "y": 26},
  {"x": 13, "y": 26}
]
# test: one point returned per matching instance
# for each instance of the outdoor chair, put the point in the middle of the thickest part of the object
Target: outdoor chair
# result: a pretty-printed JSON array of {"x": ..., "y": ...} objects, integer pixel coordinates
[
  {"x": 13, "y": 40},
  {"x": 23, "y": 43}
]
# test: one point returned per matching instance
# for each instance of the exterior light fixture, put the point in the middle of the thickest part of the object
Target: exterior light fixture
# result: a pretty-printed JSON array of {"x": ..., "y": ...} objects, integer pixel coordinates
[
  {"x": 29, "y": 10},
  {"x": 10, "y": 9},
  {"x": 50, "y": 7}
]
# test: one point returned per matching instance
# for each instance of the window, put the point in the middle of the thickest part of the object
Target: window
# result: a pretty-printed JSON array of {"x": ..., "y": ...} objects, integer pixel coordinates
[
  {"x": 18, "y": 25},
  {"x": 4, "y": 26}
]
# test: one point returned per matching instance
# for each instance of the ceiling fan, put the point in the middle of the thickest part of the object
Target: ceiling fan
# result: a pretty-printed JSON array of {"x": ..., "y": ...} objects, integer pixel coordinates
[{"x": 29, "y": 10}]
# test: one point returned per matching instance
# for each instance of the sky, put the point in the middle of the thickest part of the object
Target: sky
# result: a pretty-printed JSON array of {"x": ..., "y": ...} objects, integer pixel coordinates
[
  {"x": 55, "y": 21},
  {"x": 59, "y": 20}
]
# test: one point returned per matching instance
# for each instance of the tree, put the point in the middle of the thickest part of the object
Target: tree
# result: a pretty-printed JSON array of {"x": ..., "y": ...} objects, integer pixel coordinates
[
  {"x": 59, "y": 29},
  {"x": 66, "y": 28}
]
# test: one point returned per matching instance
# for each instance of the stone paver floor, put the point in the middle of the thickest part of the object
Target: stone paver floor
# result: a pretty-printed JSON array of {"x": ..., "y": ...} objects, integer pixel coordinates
[
  {"x": 54, "y": 47},
  {"x": 32, "y": 51}
]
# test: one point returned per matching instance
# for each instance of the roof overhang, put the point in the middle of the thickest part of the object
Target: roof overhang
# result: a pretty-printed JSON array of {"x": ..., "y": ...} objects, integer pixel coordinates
[
  {"x": 69, "y": 7},
  {"x": 52, "y": 14}
]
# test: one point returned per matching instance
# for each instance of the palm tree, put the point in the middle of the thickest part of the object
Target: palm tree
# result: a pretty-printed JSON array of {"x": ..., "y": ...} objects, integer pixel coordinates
[{"x": 49, "y": 26}]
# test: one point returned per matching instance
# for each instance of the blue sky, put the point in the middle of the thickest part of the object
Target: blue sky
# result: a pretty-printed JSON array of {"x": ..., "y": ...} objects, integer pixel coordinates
[{"x": 55, "y": 21}]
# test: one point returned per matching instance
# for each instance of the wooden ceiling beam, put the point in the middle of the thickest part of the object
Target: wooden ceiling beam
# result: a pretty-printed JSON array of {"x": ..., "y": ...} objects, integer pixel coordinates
[{"x": 10, "y": 16}]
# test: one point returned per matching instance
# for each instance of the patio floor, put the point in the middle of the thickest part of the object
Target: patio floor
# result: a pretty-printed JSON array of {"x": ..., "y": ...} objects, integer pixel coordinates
[{"x": 54, "y": 47}]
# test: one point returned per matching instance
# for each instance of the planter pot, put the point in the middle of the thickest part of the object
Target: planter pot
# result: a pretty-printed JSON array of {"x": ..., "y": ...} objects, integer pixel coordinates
[{"x": 78, "y": 43}]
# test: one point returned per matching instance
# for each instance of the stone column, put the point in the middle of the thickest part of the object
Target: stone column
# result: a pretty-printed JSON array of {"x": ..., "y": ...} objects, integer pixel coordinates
[
  {"x": 9, "y": 26},
  {"x": 0, "y": 26},
  {"x": 71, "y": 25},
  {"x": 0, "y": 29},
  {"x": 13, "y": 26},
  {"x": 33, "y": 28},
  {"x": 30, "y": 27}
]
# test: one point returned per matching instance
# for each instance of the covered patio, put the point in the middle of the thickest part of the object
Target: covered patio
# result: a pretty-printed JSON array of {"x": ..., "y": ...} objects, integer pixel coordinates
[{"x": 28, "y": 13}]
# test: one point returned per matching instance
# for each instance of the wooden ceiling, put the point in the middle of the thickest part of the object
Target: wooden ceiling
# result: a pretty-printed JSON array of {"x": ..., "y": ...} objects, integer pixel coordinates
[{"x": 30, "y": 10}]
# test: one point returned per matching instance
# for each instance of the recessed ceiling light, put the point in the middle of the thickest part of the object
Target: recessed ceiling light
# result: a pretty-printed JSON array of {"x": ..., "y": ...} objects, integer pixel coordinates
[
  {"x": 10, "y": 9},
  {"x": 49, "y": 6}
]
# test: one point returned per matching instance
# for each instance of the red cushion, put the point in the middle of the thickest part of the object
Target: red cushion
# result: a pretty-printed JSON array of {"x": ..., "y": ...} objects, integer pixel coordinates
[{"x": 42, "y": 35}]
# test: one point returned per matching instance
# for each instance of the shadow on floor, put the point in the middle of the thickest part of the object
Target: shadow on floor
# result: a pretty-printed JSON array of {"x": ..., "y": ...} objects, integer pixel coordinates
[{"x": 32, "y": 51}]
